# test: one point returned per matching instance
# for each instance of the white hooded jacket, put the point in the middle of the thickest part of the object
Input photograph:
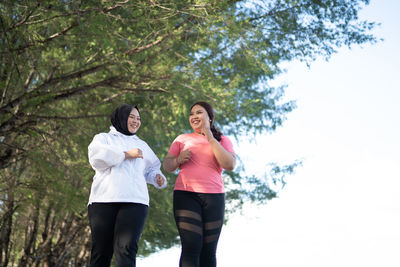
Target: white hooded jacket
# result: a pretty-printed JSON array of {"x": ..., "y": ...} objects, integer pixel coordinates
[{"x": 118, "y": 179}]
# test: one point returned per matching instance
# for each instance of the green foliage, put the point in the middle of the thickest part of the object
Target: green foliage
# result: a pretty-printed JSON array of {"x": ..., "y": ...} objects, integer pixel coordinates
[{"x": 65, "y": 65}]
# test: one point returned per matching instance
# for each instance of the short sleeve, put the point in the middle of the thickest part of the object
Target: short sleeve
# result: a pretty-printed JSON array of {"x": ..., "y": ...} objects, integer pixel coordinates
[
  {"x": 227, "y": 144},
  {"x": 176, "y": 147}
]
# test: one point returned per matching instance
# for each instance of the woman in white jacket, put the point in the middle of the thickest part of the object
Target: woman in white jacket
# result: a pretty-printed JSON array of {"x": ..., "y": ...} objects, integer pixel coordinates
[{"x": 118, "y": 202}]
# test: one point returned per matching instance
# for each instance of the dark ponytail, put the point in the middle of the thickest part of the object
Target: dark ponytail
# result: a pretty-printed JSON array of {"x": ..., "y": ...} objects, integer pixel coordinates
[{"x": 210, "y": 111}]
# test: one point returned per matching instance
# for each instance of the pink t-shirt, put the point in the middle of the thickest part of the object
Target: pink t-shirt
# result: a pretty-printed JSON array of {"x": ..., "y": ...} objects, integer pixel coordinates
[{"x": 201, "y": 173}]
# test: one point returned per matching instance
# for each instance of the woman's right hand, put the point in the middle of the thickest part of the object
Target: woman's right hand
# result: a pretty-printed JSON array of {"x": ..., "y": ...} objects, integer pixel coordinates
[
  {"x": 133, "y": 153},
  {"x": 183, "y": 157},
  {"x": 171, "y": 162}
]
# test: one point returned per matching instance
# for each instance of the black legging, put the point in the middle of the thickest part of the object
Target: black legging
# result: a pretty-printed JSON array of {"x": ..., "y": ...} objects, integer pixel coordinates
[
  {"x": 199, "y": 218},
  {"x": 116, "y": 228}
]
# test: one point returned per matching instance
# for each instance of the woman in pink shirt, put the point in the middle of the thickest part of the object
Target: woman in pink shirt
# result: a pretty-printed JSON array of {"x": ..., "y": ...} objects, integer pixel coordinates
[{"x": 199, "y": 194}]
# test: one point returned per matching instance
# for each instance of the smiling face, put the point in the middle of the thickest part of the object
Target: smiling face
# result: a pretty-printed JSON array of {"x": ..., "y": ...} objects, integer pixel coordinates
[
  {"x": 133, "y": 121},
  {"x": 198, "y": 116}
]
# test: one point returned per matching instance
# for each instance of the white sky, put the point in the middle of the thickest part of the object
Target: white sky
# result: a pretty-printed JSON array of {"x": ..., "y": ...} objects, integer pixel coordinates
[{"x": 342, "y": 207}]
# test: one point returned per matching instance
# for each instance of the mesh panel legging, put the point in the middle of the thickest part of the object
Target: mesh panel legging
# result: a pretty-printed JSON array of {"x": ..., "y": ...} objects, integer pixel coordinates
[{"x": 199, "y": 218}]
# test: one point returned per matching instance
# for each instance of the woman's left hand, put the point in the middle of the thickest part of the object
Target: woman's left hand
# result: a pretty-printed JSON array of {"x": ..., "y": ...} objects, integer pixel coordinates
[
  {"x": 206, "y": 129},
  {"x": 159, "y": 180}
]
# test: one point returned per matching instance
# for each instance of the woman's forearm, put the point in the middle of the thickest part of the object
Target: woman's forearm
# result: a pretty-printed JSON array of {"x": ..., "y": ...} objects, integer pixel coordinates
[
  {"x": 170, "y": 163},
  {"x": 226, "y": 159}
]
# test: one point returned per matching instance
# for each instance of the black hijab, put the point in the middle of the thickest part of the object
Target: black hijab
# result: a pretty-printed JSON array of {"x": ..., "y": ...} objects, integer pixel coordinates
[{"x": 119, "y": 118}]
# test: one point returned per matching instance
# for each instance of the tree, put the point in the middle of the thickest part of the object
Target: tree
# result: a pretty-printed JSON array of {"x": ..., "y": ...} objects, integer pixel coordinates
[{"x": 66, "y": 64}]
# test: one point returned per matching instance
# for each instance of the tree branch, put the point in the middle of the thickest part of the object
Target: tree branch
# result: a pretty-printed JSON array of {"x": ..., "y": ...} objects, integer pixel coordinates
[
  {"x": 38, "y": 92},
  {"x": 159, "y": 40},
  {"x": 64, "y": 31},
  {"x": 142, "y": 48},
  {"x": 24, "y": 20},
  {"x": 111, "y": 8},
  {"x": 78, "y": 90},
  {"x": 40, "y": 117},
  {"x": 52, "y": 37},
  {"x": 276, "y": 11}
]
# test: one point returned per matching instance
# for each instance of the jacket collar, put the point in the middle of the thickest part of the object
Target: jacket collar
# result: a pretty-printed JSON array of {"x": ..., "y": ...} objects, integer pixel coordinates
[{"x": 114, "y": 131}]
